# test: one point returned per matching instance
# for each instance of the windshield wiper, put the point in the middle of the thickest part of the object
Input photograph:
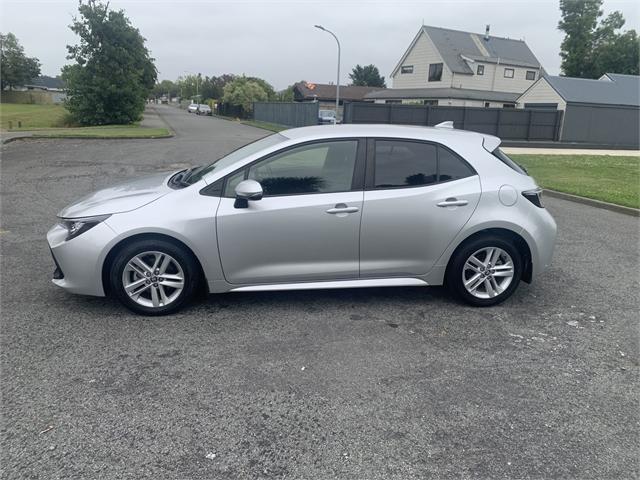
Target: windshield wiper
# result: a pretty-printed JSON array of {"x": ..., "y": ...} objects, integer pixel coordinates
[
  {"x": 190, "y": 172},
  {"x": 179, "y": 179}
]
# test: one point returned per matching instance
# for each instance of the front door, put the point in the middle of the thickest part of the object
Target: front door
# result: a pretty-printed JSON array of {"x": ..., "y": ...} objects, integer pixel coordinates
[{"x": 306, "y": 227}]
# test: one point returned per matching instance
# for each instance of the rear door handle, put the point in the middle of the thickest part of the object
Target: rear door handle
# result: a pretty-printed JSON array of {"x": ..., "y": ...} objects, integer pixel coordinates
[
  {"x": 342, "y": 208},
  {"x": 453, "y": 202}
]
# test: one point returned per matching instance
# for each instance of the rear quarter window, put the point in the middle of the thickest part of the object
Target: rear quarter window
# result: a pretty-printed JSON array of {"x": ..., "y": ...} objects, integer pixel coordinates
[
  {"x": 504, "y": 158},
  {"x": 451, "y": 166}
]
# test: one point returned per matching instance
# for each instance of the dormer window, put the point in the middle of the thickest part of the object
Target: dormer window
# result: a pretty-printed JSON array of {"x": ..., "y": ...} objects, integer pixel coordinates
[
  {"x": 435, "y": 72},
  {"x": 406, "y": 69},
  {"x": 480, "y": 70}
]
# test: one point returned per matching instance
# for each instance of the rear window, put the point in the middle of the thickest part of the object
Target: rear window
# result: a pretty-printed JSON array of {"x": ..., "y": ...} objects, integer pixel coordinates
[{"x": 504, "y": 158}]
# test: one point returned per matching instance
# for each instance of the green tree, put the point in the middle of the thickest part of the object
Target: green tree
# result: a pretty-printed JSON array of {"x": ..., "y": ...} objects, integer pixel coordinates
[
  {"x": 367, "y": 76},
  {"x": 589, "y": 48},
  {"x": 165, "y": 87},
  {"x": 244, "y": 91},
  {"x": 15, "y": 67},
  {"x": 113, "y": 74}
]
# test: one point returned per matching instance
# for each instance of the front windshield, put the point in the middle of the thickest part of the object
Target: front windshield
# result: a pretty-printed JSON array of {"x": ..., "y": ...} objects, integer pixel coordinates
[{"x": 237, "y": 155}]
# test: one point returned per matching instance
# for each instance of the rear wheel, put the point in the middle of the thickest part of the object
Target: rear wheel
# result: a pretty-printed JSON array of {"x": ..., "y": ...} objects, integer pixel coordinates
[
  {"x": 486, "y": 271},
  {"x": 153, "y": 277}
]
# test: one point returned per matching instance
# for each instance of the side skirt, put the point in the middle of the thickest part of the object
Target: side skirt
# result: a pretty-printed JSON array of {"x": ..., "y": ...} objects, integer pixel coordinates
[{"x": 373, "y": 282}]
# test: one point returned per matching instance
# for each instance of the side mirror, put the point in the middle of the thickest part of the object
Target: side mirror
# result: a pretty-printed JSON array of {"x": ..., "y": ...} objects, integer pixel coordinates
[{"x": 245, "y": 191}]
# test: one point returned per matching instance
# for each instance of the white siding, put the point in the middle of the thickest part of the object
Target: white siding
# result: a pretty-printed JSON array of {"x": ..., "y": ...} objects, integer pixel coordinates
[
  {"x": 493, "y": 79},
  {"x": 421, "y": 56},
  {"x": 542, "y": 92},
  {"x": 517, "y": 84}
]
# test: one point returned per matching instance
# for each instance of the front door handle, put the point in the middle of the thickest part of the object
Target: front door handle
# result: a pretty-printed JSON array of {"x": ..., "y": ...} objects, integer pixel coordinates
[
  {"x": 453, "y": 202},
  {"x": 342, "y": 208}
]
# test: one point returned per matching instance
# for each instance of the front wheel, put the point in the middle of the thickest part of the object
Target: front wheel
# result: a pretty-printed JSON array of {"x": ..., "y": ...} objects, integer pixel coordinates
[
  {"x": 154, "y": 277},
  {"x": 485, "y": 271}
]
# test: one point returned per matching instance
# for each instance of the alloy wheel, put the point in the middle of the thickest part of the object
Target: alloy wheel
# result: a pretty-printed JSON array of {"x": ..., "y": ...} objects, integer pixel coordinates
[
  {"x": 153, "y": 279},
  {"x": 488, "y": 272}
]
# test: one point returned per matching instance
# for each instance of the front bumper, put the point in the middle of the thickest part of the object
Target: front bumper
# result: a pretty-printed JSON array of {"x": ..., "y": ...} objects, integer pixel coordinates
[{"x": 79, "y": 260}]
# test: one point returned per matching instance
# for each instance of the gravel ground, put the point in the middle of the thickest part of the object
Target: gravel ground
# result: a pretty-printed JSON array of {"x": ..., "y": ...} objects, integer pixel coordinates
[{"x": 395, "y": 383}]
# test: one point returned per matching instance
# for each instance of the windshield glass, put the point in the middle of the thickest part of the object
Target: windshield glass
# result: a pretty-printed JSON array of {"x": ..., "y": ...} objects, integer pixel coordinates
[{"x": 237, "y": 155}]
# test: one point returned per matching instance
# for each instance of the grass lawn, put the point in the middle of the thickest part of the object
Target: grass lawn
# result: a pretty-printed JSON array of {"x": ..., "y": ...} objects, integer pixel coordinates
[
  {"x": 106, "y": 131},
  {"x": 48, "y": 121},
  {"x": 274, "y": 127},
  {"x": 31, "y": 116},
  {"x": 602, "y": 177}
]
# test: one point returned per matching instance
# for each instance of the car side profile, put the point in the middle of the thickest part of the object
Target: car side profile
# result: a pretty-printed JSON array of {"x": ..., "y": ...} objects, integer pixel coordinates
[{"x": 339, "y": 206}]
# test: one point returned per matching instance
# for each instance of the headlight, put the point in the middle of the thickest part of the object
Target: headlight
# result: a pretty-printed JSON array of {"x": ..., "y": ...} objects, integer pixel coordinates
[{"x": 77, "y": 226}]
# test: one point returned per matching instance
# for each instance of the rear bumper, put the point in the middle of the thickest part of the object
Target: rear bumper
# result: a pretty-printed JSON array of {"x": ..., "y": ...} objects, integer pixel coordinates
[{"x": 541, "y": 235}]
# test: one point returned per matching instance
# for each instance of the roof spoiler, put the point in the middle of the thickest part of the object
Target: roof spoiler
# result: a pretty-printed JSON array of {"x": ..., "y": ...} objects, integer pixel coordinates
[
  {"x": 447, "y": 124},
  {"x": 490, "y": 143}
]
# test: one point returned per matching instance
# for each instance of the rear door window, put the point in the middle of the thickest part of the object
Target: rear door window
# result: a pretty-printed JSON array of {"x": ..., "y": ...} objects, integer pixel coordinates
[{"x": 401, "y": 163}]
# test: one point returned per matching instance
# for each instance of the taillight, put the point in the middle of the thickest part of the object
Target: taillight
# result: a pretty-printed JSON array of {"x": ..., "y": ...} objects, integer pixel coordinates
[{"x": 534, "y": 196}]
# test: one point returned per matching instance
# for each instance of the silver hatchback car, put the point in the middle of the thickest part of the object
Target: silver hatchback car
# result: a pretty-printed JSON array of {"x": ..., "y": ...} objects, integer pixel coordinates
[{"x": 311, "y": 208}]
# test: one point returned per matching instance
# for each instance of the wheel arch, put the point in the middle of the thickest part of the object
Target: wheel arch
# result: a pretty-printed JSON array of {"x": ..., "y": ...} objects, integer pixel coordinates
[
  {"x": 108, "y": 261},
  {"x": 517, "y": 239}
]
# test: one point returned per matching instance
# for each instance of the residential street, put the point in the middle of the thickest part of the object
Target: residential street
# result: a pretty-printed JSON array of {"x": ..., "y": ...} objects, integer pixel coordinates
[{"x": 394, "y": 383}]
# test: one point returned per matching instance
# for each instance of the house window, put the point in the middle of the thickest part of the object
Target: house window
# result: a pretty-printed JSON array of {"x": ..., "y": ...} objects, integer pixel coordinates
[
  {"x": 435, "y": 72},
  {"x": 480, "y": 70},
  {"x": 393, "y": 102},
  {"x": 433, "y": 103},
  {"x": 487, "y": 104},
  {"x": 508, "y": 73},
  {"x": 508, "y": 105},
  {"x": 531, "y": 75},
  {"x": 406, "y": 69}
]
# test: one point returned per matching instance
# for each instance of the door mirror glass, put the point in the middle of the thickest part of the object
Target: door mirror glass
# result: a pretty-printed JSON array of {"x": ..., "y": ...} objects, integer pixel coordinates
[{"x": 247, "y": 190}]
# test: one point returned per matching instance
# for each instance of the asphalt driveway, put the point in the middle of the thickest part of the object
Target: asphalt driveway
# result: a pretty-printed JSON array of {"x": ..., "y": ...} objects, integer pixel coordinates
[{"x": 378, "y": 383}]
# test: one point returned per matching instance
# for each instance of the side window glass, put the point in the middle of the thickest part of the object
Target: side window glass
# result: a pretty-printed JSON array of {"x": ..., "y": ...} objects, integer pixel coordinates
[
  {"x": 452, "y": 167},
  {"x": 232, "y": 182},
  {"x": 317, "y": 168},
  {"x": 401, "y": 163}
]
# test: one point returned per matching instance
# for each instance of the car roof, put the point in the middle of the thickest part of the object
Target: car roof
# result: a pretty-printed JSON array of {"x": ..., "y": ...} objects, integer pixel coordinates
[{"x": 435, "y": 134}]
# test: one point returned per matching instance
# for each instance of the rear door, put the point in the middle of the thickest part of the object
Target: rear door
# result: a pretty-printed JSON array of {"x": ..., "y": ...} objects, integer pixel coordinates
[{"x": 418, "y": 196}]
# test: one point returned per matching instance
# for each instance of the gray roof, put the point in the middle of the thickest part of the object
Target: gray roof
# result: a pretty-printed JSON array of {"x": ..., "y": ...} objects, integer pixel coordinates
[
  {"x": 452, "y": 44},
  {"x": 620, "y": 90},
  {"x": 436, "y": 93}
]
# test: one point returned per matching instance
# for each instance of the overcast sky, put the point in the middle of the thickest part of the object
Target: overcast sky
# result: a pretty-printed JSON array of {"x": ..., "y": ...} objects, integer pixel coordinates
[{"x": 276, "y": 40}]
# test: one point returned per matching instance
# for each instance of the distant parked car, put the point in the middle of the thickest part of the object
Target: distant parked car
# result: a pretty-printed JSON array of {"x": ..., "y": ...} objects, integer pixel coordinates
[
  {"x": 193, "y": 108},
  {"x": 164, "y": 99},
  {"x": 326, "y": 117},
  {"x": 204, "y": 109}
]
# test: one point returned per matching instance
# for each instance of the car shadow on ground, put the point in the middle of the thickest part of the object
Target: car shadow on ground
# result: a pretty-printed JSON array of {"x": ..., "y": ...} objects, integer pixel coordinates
[{"x": 305, "y": 302}]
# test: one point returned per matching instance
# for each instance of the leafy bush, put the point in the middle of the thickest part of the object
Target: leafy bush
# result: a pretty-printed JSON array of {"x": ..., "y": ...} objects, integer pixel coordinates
[{"x": 113, "y": 74}]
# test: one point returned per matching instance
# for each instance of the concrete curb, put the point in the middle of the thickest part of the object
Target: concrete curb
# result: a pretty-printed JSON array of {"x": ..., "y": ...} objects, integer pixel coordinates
[
  {"x": 634, "y": 212},
  {"x": 80, "y": 137}
]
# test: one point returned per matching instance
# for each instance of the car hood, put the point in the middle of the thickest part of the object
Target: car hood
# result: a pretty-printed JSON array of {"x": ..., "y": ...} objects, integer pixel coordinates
[{"x": 123, "y": 197}]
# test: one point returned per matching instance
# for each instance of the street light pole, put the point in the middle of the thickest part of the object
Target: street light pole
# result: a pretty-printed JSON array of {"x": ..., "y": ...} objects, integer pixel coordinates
[{"x": 338, "y": 77}]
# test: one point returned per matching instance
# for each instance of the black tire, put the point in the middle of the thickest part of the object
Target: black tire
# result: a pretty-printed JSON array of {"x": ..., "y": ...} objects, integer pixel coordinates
[
  {"x": 185, "y": 260},
  {"x": 460, "y": 257}
]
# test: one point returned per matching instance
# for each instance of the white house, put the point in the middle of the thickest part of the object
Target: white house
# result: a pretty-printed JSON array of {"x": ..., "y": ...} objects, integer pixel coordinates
[{"x": 452, "y": 67}]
